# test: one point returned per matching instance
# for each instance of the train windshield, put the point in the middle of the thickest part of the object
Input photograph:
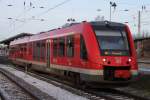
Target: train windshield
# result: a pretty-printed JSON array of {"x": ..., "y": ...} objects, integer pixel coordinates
[{"x": 113, "y": 42}]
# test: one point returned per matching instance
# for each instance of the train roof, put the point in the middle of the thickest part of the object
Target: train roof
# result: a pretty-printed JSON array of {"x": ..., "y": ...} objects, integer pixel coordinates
[
  {"x": 71, "y": 28},
  {"x": 67, "y": 29},
  {"x": 107, "y": 24},
  {"x": 103, "y": 23}
]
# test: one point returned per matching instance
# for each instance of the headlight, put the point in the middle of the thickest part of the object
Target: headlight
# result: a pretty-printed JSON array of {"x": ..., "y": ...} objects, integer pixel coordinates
[
  {"x": 129, "y": 59},
  {"x": 104, "y": 59}
]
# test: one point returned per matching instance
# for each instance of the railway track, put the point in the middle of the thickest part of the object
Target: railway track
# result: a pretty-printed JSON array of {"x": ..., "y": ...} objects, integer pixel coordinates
[
  {"x": 112, "y": 95},
  {"x": 92, "y": 94},
  {"x": 10, "y": 90},
  {"x": 95, "y": 94},
  {"x": 115, "y": 94},
  {"x": 0, "y": 97}
]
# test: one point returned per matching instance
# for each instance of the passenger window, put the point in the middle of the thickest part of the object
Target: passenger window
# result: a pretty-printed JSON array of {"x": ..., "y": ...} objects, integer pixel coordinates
[
  {"x": 83, "y": 51},
  {"x": 61, "y": 46},
  {"x": 54, "y": 47},
  {"x": 70, "y": 46},
  {"x": 38, "y": 50},
  {"x": 42, "y": 50},
  {"x": 34, "y": 51},
  {"x": 30, "y": 48}
]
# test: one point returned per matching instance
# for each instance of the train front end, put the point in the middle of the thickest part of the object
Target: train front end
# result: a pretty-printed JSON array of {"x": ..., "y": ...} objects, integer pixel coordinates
[{"x": 117, "y": 52}]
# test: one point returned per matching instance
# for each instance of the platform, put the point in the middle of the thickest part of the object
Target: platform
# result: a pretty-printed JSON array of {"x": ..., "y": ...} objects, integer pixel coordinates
[{"x": 41, "y": 89}]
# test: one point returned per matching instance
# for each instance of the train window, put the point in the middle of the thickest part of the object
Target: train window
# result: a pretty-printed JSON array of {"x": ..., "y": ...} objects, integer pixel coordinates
[
  {"x": 70, "y": 46},
  {"x": 83, "y": 51},
  {"x": 25, "y": 49},
  {"x": 38, "y": 50},
  {"x": 30, "y": 48},
  {"x": 34, "y": 51},
  {"x": 61, "y": 46},
  {"x": 113, "y": 42},
  {"x": 54, "y": 47},
  {"x": 42, "y": 50}
]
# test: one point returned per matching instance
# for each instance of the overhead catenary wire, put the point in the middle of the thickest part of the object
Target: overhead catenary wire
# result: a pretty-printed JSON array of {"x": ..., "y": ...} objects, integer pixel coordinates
[
  {"x": 132, "y": 12},
  {"x": 51, "y": 8},
  {"x": 48, "y": 10}
]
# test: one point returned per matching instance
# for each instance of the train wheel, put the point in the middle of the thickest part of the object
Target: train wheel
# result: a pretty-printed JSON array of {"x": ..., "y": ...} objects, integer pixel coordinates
[
  {"x": 80, "y": 83},
  {"x": 77, "y": 79}
]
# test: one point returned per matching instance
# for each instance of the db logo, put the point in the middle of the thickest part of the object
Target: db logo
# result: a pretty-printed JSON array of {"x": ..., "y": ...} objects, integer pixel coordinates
[{"x": 118, "y": 60}]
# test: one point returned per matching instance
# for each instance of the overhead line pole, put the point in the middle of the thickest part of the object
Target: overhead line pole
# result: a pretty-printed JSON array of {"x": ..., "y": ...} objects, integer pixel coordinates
[
  {"x": 112, "y": 4},
  {"x": 139, "y": 23},
  {"x": 110, "y": 12}
]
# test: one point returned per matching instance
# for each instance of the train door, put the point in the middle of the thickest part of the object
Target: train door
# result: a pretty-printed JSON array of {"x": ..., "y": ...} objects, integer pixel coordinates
[{"x": 48, "y": 53}]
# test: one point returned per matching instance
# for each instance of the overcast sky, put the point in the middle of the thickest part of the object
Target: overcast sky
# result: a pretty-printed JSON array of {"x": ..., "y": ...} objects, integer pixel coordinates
[{"x": 17, "y": 16}]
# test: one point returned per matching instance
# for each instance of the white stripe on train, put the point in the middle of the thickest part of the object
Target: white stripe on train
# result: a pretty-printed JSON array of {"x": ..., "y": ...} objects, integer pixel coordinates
[{"x": 70, "y": 68}]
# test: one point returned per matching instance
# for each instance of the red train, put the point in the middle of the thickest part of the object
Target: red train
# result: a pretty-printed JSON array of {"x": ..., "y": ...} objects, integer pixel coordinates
[{"x": 101, "y": 52}]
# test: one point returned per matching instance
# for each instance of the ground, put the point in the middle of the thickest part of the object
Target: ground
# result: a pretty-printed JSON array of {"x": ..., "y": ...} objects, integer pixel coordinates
[{"x": 143, "y": 82}]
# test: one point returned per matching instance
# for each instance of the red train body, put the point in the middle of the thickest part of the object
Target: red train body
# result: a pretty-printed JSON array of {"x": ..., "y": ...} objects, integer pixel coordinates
[{"x": 88, "y": 51}]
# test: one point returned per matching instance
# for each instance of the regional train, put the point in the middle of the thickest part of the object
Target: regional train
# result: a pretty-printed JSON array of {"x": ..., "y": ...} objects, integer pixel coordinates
[{"x": 92, "y": 52}]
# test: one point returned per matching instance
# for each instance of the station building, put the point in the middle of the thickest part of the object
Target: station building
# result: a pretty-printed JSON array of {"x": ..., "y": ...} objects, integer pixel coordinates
[
  {"x": 142, "y": 46},
  {"x": 4, "y": 44}
]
